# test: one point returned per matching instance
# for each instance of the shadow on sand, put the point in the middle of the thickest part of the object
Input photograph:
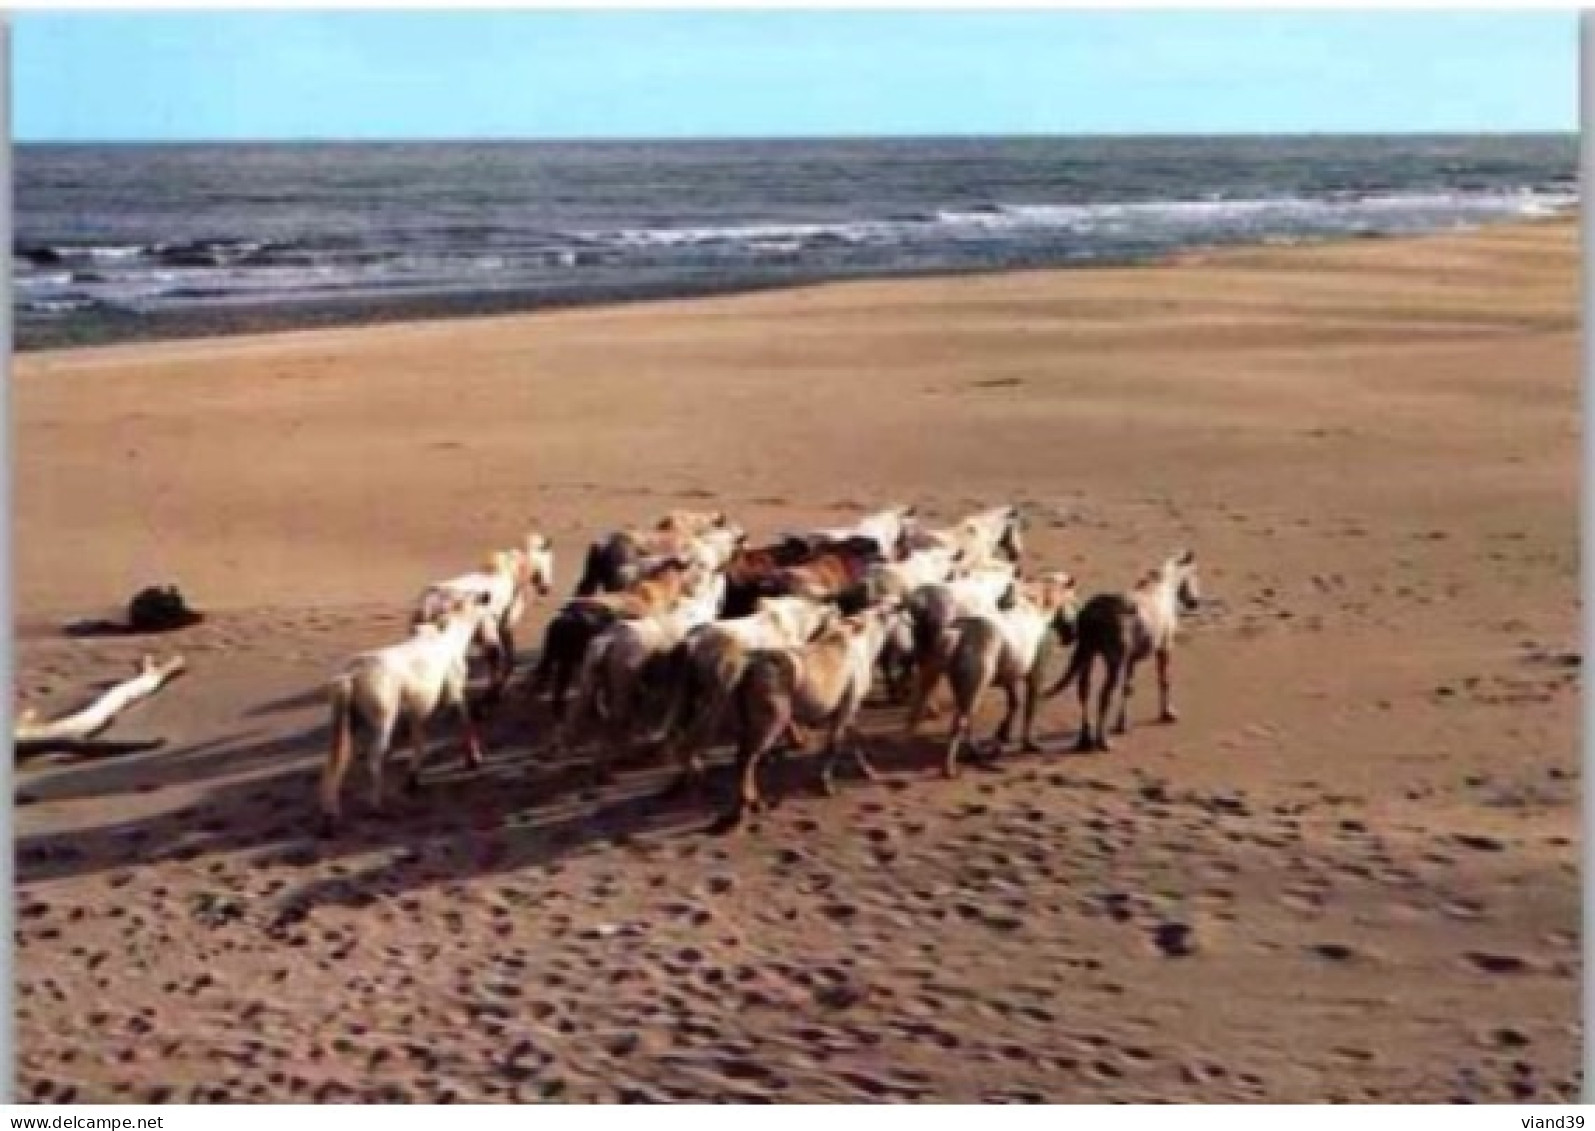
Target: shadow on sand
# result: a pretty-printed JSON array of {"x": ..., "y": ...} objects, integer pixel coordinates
[{"x": 523, "y": 809}]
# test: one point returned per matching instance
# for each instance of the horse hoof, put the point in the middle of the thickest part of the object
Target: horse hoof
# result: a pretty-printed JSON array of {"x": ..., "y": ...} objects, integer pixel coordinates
[
  {"x": 1169, "y": 716},
  {"x": 1030, "y": 746},
  {"x": 412, "y": 785},
  {"x": 725, "y": 823},
  {"x": 1104, "y": 745},
  {"x": 1085, "y": 744},
  {"x": 328, "y": 828}
]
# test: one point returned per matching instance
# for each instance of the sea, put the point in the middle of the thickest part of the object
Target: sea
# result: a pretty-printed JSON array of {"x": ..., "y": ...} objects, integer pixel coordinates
[{"x": 138, "y": 236}]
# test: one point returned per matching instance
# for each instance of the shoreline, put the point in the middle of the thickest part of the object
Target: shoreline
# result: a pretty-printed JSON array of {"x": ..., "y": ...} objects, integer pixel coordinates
[{"x": 115, "y": 328}]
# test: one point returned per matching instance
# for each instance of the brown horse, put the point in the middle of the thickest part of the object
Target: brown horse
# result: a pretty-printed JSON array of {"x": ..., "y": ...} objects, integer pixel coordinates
[
  {"x": 617, "y": 560},
  {"x": 822, "y": 683},
  {"x": 837, "y": 573},
  {"x": 1122, "y": 629},
  {"x": 752, "y": 574}
]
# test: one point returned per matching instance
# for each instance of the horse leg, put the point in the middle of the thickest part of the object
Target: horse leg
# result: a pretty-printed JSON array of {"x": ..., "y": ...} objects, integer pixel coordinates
[
  {"x": 506, "y": 655},
  {"x": 1166, "y": 714},
  {"x": 674, "y": 718},
  {"x": 412, "y": 780},
  {"x": 755, "y": 743},
  {"x": 493, "y": 650},
  {"x": 622, "y": 713},
  {"x": 563, "y": 671},
  {"x": 962, "y": 732},
  {"x": 1027, "y": 736},
  {"x": 924, "y": 683},
  {"x": 832, "y": 755},
  {"x": 586, "y": 719},
  {"x": 904, "y": 682},
  {"x": 454, "y": 693},
  {"x": 1004, "y": 732},
  {"x": 1123, "y": 725},
  {"x": 377, "y": 757},
  {"x": 698, "y": 735},
  {"x": 860, "y": 757},
  {"x": 1086, "y": 741},
  {"x": 1110, "y": 684},
  {"x": 954, "y": 740}
]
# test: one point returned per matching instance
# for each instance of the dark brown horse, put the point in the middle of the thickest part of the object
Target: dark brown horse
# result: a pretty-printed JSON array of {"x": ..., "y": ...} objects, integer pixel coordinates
[
  {"x": 752, "y": 574},
  {"x": 579, "y": 623},
  {"x": 838, "y": 573},
  {"x": 616, "y": 561}
]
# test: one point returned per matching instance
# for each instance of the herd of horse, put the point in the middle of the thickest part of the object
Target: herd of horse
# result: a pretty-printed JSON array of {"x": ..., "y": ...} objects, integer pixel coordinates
[{"x": 680, "y": 630}]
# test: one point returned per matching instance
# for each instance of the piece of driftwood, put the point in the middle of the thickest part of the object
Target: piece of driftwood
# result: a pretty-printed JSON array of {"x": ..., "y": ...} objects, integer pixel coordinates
[{"x": 30, "y": 731}]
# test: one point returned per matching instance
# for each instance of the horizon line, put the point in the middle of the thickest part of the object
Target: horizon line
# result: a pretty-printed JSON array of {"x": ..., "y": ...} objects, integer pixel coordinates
[{"x": 1150, "y": 135}]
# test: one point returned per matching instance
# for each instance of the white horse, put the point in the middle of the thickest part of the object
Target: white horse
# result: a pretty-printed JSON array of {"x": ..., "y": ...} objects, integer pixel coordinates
[
  {"x": 894, "y": 581},
  {"x": 508, "y": 580},
  {"x": 408, "y": 681},
  {"x": 979, "y": 591},
  {"x": 1004, "y": 650},
  {"x": 994, "y": 534}
]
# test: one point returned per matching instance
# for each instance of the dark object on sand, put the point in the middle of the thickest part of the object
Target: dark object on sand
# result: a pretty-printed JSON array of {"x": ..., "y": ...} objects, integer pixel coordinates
[
  {"x": 160, "y": 610},
  {"x": 152, "y": 609}
]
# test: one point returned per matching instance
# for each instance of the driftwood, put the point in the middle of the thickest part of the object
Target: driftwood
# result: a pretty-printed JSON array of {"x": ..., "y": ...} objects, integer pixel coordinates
[{"x": 30, "y": 732}]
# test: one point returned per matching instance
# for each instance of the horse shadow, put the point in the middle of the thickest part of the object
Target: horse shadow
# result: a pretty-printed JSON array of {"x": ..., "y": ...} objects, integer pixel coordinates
[{"x": 527, "y": 807}]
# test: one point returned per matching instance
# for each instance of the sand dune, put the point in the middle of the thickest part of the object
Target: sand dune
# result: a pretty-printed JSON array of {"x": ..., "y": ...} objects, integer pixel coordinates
[{"x": 1348, "y": 873}]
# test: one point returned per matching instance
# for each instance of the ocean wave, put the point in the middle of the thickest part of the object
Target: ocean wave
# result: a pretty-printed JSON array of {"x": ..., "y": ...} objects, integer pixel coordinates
[
  {"x": 54, "y": 277},
  {"x": 50, "y": 255},
  {"x": 1343, "y": 207}
]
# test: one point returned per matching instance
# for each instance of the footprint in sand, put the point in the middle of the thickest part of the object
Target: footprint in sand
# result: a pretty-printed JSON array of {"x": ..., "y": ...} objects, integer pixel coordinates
[{"x": 1497, "y": 963}]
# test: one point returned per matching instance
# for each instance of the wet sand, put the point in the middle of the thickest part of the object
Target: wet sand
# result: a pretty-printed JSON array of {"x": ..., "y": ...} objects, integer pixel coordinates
[{"x": 1349, "y": 872}]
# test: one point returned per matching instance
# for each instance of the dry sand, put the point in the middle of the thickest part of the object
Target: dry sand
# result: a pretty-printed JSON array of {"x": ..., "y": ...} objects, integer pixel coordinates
[{"x": 1349, "y": 872}]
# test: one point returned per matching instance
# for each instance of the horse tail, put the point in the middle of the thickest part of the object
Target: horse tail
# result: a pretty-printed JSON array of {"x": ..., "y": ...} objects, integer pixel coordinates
[
  {"x": 1078, "y": 659},
  {"x": 927, "y": 626},
  {"x": 969, "y": 657},
  {"x": 341, "y": 750},
  {"x": 679, "y": 681},
  {"x": 547, "y": 660},
  {"x": 592, "y": 571},
  {"x": 596, "y": 677},
  {"x": 715, "y": 683},
  {"x": 587, "y": 691}
]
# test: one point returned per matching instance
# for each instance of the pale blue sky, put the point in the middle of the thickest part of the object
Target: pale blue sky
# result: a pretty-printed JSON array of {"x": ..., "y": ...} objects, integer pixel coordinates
[{"x": 530, "y": 74}]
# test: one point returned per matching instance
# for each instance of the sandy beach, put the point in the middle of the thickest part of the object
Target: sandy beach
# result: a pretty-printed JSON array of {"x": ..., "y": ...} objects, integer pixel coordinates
[{"x": 1348, "y": 873}]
